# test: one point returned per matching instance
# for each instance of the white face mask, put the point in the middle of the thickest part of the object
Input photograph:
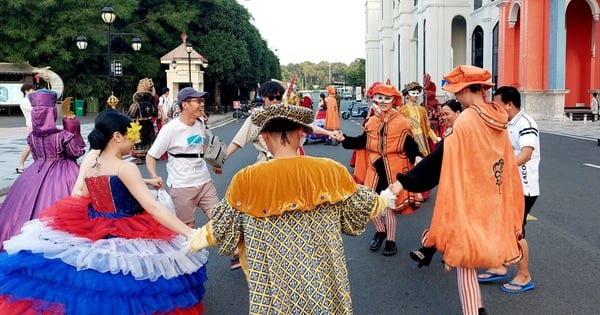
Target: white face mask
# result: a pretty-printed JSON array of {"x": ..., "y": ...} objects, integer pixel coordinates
[
  {"x": 380, "y": 98},
  {"x": 414, "y": 93}
]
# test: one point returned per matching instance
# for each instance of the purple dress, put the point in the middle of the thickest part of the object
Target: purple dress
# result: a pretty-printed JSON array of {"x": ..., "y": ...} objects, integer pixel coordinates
[{"x": 53, "y": 172}]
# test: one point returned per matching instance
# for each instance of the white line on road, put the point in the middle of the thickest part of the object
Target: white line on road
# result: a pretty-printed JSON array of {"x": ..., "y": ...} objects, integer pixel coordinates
[{"x": 591, "y": 165}]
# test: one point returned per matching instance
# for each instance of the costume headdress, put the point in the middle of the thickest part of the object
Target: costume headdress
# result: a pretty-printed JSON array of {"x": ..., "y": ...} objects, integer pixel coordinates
[
  {"x": 43, "y": 111},
  {"x": 297, "y": 114},
  {"x": 145, "y": 86},
  {"x": 412, "y": 86},
  {"x": 464, "y": 75}
]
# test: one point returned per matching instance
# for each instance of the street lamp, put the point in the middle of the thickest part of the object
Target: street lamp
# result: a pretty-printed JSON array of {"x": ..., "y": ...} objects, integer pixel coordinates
[
  {"x": 189, "y": 48},
  {"x": 108, "y": 16}
]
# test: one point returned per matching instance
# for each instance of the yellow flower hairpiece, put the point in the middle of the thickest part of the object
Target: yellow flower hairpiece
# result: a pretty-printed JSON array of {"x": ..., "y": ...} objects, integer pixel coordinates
[{"x": 133, "y": 132}]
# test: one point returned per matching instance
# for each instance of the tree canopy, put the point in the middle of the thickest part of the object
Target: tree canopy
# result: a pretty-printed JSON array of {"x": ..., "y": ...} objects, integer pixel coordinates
[{"x": 43, "y": 33}]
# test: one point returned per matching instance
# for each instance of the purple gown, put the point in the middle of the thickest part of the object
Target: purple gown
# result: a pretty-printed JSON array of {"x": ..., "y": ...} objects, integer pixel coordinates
[{"x": 53, "y": 172}]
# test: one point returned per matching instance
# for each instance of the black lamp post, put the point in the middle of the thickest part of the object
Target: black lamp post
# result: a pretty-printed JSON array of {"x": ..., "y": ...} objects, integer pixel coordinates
[
  {"x": 108, "y": 16},
  {"x": 189, "y": 49}
]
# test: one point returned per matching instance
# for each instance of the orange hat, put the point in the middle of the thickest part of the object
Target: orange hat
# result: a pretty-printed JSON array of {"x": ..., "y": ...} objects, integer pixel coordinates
[
  {"x": 464, "y": 75},
  {"x": 370, "y": 90},
  {"x": 331, "y": 90},
  {"x": 389, "y": 90}
]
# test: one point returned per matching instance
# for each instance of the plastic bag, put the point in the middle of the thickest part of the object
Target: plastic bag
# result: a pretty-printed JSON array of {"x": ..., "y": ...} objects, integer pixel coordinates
[{"x": 163, "y": 197}]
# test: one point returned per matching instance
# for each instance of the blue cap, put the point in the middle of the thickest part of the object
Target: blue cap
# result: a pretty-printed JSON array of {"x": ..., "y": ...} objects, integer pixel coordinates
[{"x": 189, "y": 92}]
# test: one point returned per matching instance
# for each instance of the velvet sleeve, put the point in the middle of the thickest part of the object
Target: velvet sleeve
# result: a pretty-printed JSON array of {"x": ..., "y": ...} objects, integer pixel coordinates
[
  {"x": 355, "y": 143},
  {"x": 425, "y": 175}
]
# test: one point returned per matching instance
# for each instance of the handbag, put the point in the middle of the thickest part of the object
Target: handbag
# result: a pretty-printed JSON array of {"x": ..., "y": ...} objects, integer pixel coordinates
[
  {"x": 215, "y": 150},
  {"x": 164, "y": 199}
]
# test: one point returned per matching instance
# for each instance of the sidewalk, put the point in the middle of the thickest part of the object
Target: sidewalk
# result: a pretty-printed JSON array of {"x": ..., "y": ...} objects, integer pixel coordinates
[
  {"x": 12, "y": 138},
  {"x": 12, "y": 141}
]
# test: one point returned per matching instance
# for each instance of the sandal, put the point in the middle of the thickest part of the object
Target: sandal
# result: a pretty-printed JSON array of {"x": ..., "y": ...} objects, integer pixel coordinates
[{"x": 19, "y": 170}]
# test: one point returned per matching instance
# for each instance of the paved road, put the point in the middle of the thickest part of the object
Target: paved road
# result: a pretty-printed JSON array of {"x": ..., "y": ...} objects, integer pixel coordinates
[{"x": 564, "y": 238}]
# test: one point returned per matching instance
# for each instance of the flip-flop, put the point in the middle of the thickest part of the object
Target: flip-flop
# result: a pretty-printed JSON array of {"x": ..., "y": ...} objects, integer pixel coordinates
[
  {"x": 492, "y": 278},
  {"x": 521, "y": 287}
]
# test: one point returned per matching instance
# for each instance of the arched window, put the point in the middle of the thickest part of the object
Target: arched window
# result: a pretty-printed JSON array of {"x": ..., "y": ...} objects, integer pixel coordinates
[
  {"x": 476, "y": 4},
  {"x": 477, "y": 47}
]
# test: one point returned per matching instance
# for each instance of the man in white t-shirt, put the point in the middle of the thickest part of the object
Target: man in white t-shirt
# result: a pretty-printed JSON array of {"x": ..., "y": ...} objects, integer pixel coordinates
[
  {"x": 524, "y": 137},
  {"x": 189, "y": 181}
]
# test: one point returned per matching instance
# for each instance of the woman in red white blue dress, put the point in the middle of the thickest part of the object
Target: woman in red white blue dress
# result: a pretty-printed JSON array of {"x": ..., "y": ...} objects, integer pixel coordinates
[{"x": 112, "y": 250}]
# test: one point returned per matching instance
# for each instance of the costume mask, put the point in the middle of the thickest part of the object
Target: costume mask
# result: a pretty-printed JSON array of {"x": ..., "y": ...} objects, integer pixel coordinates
[{"x": 414, "y": 93}]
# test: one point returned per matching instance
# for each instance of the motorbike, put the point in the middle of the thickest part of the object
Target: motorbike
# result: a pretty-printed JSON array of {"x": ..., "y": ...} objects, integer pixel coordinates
[
  {"x": 361, "y": 110},
  {"x": 243, "y": 111}
]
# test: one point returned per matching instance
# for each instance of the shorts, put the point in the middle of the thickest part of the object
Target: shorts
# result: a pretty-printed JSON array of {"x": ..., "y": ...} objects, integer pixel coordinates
[
  {"x": 529, "y": 201},
  {"x": 188, "y": 199}
]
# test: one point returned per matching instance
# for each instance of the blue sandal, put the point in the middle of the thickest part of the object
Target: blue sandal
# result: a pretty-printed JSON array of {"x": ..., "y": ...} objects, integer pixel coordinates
[
  {"x": 492, "y": 278},
  {"x": 521, "y": 287}
]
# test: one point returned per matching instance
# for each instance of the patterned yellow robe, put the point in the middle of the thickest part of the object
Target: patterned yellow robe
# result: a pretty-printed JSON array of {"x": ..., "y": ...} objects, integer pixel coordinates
[{"x": 287, "y": 215}]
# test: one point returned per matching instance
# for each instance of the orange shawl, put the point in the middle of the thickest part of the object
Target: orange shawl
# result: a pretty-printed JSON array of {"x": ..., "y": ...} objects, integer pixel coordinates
[
  {"x": 478, "y": 213},
  {"x": 391, "y": 149}
]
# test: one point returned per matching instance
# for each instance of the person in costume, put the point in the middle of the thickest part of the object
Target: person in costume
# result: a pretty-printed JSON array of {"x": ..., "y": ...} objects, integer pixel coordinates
[
  {"x": 417, "y": 117},
  {"x": 112, "y": 250},
  {"x": 359, "y": 158},
  {"x": 450, "y": 111},
  {"x": 477, "y": 219},
  {"x": 524, "y": 136},
  {"x": 54, "y": 170},
  {"x": 332, "y": 118},
  {"x": 144, "y": 111},
  {"x": 288, "y": 215},
  {"x": 391, "y": 149}
]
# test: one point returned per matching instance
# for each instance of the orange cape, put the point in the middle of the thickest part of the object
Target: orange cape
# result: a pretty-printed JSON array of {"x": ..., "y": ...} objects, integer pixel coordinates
[{"x": 478, "y": 212}]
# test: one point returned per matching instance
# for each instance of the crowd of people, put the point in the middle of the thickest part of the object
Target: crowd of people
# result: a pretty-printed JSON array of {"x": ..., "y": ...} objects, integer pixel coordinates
[{"x": 63, "y": 251}]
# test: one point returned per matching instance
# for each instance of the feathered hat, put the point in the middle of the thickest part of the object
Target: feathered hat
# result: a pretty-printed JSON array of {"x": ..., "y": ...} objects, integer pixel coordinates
[{"x": 412, "y": 86}]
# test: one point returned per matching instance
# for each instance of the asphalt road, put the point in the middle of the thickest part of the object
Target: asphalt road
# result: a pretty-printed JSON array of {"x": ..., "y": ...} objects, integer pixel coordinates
[{"x": 564, "y": 245}]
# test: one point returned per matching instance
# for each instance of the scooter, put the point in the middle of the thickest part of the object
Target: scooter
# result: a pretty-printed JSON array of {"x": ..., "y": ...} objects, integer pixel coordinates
[{"x": 361, "y": 111}]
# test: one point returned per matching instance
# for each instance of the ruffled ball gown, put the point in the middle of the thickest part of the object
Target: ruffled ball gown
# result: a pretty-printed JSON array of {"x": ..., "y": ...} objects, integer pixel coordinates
[{"x": 101, "y": 254}]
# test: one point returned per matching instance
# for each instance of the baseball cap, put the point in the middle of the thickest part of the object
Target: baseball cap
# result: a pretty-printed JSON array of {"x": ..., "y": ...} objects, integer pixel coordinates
[{"x": 189, "y": 92}]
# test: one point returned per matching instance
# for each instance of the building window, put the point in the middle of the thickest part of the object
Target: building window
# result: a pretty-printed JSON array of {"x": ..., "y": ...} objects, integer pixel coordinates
[
  {"x": 477, "y": 47},
  {"x": 415, "y": 2},
  {"x": 476, "y": 4}
]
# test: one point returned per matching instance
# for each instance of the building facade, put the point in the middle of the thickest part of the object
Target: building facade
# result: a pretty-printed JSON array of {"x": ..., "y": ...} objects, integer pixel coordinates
[{"x": 546, "y": 48}]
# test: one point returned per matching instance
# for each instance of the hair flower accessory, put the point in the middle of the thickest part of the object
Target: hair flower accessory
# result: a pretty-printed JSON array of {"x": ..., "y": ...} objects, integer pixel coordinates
[{"x": 133, "y": 132}]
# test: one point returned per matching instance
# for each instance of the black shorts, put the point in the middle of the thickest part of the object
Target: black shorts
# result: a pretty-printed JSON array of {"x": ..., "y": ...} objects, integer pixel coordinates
[{"x": 529, "y": 201}]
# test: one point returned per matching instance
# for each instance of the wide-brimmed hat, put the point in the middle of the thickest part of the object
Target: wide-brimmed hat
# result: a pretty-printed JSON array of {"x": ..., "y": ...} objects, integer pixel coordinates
[
  {"x": 412, "y": 86},
  {"x": 189, "y": 92},
  {"x": 465, "y": 75},
  {"x": 297, "y": 114}
]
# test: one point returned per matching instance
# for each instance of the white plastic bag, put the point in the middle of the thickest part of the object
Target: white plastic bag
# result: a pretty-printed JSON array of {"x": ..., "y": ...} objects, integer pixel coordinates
[{"x": 163, "y": 197}]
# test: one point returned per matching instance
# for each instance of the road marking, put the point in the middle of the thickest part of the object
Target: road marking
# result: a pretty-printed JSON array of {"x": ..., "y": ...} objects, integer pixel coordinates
[{"x": 591, "y": 165}]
